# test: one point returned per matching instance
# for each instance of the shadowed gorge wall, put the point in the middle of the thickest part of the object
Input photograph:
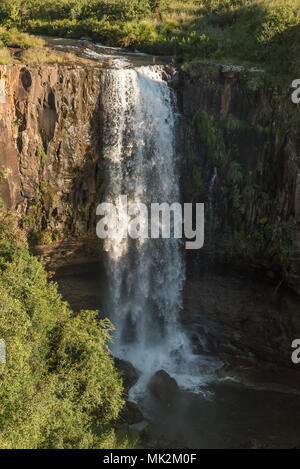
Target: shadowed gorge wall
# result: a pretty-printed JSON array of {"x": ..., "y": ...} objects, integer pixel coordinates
[{"x": 239, "y": 128}]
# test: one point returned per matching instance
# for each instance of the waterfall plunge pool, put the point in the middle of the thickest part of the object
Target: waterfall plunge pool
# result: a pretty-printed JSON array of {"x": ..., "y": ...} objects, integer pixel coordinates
[{"x": 245, "y": 412}]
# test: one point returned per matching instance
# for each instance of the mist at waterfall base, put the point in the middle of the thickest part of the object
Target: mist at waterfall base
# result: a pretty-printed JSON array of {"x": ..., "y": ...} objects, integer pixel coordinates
[{"x": 146, "y": 276}]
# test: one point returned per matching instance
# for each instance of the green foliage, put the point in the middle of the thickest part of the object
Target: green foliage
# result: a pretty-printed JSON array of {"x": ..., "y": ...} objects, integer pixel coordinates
[
  {"x": 40, "y": 153},
  {"x": 255, "y": 81},
  {"x": 14, "y": 38},
  {"x": 41, "y": 237},
  {"x": 235, "y": 173},
  {"x": 191, "y": 154},
  {"x": 198, "y": 178},
  {"x": 233, "y": 123},
  {"x": 211, "y": 134},
  {"x": 5, "y": 56},
  {"x": 9, "y": 11},
  {"x": 263, "y": 32},
  {"x": 9, "y": 230},
  {"x": 116, "y": 10},
  {"x": 43, "y": 187},
  {"x": 259, "y": 234},
  {"x": 222, "y": 6},
  {"x": 157, "y": 5},
  {"x": 59, "y": 387},
  {"x": 268, "y": 247},
  {"x": 258, "y": 240},
  {"x": 3, "y": 174}
]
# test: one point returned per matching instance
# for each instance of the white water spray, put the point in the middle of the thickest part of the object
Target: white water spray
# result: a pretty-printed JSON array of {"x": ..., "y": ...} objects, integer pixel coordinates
[{"x": 146, "y": 276}]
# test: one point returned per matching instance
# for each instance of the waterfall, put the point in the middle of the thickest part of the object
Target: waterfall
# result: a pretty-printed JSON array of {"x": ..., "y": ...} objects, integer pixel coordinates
[
  {"x": 145, "y": 276},
  {"x": 211, "y": 194},
  {"x": 211, "y": 215}
]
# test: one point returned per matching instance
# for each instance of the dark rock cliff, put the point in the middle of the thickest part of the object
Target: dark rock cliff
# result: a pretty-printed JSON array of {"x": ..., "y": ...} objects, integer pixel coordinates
[{"x": 238, "y": 127}]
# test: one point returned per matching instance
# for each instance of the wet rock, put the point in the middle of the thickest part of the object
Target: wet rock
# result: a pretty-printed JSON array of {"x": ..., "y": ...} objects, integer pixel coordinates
[
  {"x": 129, "y": 373},
  {"x": 131, "y": 414},
  {"x": 124, "y": 428},
  {"x": 139, "y": 427},
  {"x": 176, "y": 81},
  {"x": 240, "y": 321},
  {"x": 26, "y": 79},
  {"x": 163, "y": 387}
]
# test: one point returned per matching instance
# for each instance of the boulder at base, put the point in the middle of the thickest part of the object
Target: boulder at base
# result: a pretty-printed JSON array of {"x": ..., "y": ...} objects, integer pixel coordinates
[
  {"x": 128, "y": 372},
  {"x": 131, "y": 414},
  {"x": 163, "y": 387}
]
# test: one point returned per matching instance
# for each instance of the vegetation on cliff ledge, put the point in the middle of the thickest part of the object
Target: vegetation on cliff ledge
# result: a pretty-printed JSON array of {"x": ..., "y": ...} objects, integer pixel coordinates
[
  {"x": 58, "y": 387},
  {"x": 265, "y": 32},
  {"x": 257, "y": 231}
]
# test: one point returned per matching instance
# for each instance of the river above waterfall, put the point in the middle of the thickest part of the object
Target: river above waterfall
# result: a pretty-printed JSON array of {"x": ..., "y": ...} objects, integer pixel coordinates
[{"x": 114, "y": 57}]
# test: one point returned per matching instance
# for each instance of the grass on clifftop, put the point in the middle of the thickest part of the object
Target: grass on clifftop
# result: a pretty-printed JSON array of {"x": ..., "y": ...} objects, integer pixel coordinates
[
  {"x": 5, "y": 56},
  {"x": 262, "y": 32},
  {"x": 17, "y": 46}
]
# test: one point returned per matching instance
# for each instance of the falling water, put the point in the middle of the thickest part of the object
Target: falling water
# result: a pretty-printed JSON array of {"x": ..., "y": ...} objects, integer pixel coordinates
[
  {"x": 211, "y": 214},
  {"x": 146, "y": 276},
  {"x": 211, "y": 194}
]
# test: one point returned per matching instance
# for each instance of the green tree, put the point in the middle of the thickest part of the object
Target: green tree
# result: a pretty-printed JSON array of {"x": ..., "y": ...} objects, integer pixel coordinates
[{"x": 59, "y": 387}]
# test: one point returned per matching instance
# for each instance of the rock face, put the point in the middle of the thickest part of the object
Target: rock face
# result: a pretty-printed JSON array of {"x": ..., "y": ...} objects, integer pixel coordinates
[
  {"x": 240, "y": 321},
  {"x": 163, "y": 387},
  {"x": 50, "y": 146},
  {"x": 129, "y": 373},
  {"x": 131, "y": 414},
  {"x": 241, "y": 128}
]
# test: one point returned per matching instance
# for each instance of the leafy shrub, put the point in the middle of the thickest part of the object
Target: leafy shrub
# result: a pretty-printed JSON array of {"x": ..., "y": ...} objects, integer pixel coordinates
[
  {"x": 59, "y": 387},
  {"x": 211, "y": 133},
  {"x": 5, "y": 56},
  {"x": 9, "y": 11},
  {"x": 15, "y": 38},
  {"x": 121, "y": 10},
  {"x": 235, "y": 172},
  {"x": 222, "y": 6},
  {"x": 262, "y": 32}
]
